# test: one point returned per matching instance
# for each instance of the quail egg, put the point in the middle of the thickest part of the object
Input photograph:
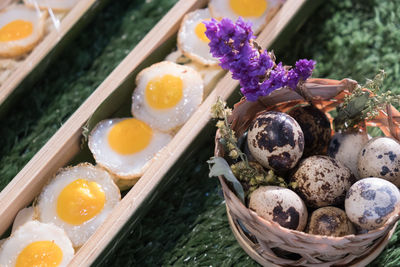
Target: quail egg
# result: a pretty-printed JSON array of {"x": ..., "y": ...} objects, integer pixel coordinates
[
  {"x": 258, "y": 12},
  {"x": 380, "y": 157},
  {"x": 78, "y": 199},
  {"x": 21, "y": 28},
  {"x": 345, "y": 147},
  {"x": 23, "y": 216},
  {"x": 316, "y": 129},
  {"x": 36, "y": 244},
  {"x": 330, "y": 221},
  {"x": 167, "y": 94},
  {"x": 280, "y": 205},
  {"x": 370, "y": 202},
  {"x": 276, "y": 140},
  {"x": 322, "y": 181},
  {"x": 126, "y": 147},
  {"x": 58, "y": 5}
]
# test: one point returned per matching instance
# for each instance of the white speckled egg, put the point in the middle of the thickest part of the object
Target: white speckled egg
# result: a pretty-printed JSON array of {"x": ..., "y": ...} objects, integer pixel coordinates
[
  {"x": 280, "y": 205},
  {"x": 380, "y": 157},
  {"x": 345, "y": 147},
  {"x": 322, "y": 181},
  {"x": 370, "y": 202},
  {"x": 276, "y": 140}
]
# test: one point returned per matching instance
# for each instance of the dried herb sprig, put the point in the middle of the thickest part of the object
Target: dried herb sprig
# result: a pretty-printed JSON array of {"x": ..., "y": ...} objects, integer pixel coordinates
[{"x": 363, "y": 105}]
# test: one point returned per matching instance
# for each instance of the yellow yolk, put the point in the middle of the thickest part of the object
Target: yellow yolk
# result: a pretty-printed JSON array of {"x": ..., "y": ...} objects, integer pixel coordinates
[
  {"x": 200, "y": 31},
  {"x": 40, "y": 254},
  {"x": 164, "y": 92},
  {"x": 129, "y": 136},
  {"x": 248, "y": 8},
  {"x": 80, "y": 201},
  {"x": 16, "y": 30}
]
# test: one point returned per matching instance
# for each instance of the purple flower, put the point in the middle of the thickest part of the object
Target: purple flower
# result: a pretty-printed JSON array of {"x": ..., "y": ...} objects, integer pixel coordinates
[{"x": 257, "y": 73}]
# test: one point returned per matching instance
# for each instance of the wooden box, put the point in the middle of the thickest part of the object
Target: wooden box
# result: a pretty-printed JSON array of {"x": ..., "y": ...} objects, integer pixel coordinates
[{"x": 112, "y": 99}]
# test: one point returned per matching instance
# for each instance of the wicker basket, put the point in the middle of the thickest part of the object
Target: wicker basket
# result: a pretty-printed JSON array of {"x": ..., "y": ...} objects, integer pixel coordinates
[{"x": 270, "y": 244}]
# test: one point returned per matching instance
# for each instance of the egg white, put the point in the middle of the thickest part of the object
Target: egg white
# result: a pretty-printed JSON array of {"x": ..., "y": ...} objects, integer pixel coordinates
[
  {"x": 125, "y": 167},
  {"x": 20, "y": 12},
  {"x": 23, "y": 216},
  {"x": 210, "y": 74},
  {"x": 46, "y": 207},
  {"x": 57, "y": 5},
  {"x": 222, "y": 9},
  {"x": 190, "y": 44},
  {"x": 167, "y": 119},
  {"x": 33, "y": 231}
]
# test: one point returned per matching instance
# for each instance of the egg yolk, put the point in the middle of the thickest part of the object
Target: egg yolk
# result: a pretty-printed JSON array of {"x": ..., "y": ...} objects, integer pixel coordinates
[
  {"x": 248, "y": 8},
  {"x": 40, "y": 254},
  {"x": 129, "y": 136},
  {"x": 16, "y": 30},
  {"x": 200, "y": 31},
  {"x": 164, "y": 92},
  {"x": 80, "y": 201}
]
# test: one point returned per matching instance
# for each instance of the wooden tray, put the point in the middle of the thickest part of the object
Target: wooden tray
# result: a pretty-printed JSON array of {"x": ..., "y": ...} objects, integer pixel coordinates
[
  {"x": 112, "y": 99},
  {"x": 44, "y": 53}
]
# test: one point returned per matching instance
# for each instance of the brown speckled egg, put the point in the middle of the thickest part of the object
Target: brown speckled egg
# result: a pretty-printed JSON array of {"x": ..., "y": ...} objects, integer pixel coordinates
[
  {"x": 380, "y": 157},
  {"x": 322, "y": 181},
  {"x": 370, "y": 202},
  {"x": 280, "y": 205},
  {"x": 316, "y": 129},
  {"x": 345, "y": 147},
  {"x": 276, "y": 140},
  {"x": 330, "y": 221}
]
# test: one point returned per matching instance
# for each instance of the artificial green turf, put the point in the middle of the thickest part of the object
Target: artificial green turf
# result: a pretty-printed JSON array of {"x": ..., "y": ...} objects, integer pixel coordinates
[{"x": 188, "y": 225}]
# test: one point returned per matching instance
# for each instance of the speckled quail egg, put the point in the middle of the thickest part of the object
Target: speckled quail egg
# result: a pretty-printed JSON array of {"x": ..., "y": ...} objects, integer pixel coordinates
[
  {"x": 167, "y": 94},
  {"x": 57, "y": 5},
  {"x": 78, "y": 199},
  {"x": 258, "y": 12},
  {"x": 126, "y": 147},
  {"x": 370, "y": 202},
  {"x": 192, "y": 41},
  {"x": 280, "y": 205},
  {"x": 322, "y": 181},
  {"x": 330, "y": 221},
  {"x": 21, "y": 28},
  {"x": 36, "y": 244},
  {"x": 316, "y": 129},
  {"x": 276, "y": 140},
  {"x": 380, "y": 157},
  {"x": 345, "y": 147}
]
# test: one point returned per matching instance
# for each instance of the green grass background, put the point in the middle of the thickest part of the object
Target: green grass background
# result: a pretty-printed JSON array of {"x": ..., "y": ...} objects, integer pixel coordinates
[{"x": 188, "y": 226}]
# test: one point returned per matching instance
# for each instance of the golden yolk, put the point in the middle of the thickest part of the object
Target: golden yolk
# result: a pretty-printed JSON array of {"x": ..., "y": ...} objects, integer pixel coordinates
[
  {"x": 80, "y": 201},
  {"x": 40, "y": 254},
  {"x": 164, "y": 92},
  {"x": 200, "y": 31},
  {"x": 248, "y": 8},
  {"x": 16, "y": 30},
  {"x": 129, "y": 136}
]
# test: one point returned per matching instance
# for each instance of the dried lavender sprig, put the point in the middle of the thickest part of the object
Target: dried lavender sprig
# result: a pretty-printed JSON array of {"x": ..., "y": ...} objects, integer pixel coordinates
[{"x": 256, "y": 70}]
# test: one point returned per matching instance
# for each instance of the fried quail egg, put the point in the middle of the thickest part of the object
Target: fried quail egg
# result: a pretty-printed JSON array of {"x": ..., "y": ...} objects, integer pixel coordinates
[
  {"x": 57, "y": 5},
  {"x": 21, "y": 28},
  {"x": 258, "y": 12},
  {"x": 78, "y": 199},
  {"x": 192, "y": 40},
  {"x": 126, "y": 147},
  {"x": 36, "y": 244},
  {"x": 23, "y": 216},
  {"x": 167, "y": 94}
]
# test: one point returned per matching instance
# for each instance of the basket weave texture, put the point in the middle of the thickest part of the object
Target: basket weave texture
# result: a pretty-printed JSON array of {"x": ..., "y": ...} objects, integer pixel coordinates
[{"x": 267, "y": 240}]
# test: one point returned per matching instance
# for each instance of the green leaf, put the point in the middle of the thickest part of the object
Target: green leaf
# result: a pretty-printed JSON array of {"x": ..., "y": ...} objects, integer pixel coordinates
[{"x": 219, "y": 166}]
